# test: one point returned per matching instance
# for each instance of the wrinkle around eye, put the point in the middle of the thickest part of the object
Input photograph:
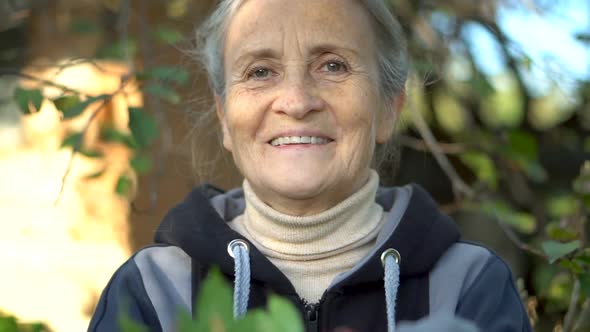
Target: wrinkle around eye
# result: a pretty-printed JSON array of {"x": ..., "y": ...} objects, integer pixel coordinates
[{"x": 343, "y": 67}]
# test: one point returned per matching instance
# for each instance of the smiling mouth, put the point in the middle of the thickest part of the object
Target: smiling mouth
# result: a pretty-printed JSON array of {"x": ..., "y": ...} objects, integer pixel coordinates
[{"x": 299, "y": 140}]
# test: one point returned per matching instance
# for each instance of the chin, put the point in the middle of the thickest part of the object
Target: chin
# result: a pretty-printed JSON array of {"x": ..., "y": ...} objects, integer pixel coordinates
[{"x": 299, "y": 186}]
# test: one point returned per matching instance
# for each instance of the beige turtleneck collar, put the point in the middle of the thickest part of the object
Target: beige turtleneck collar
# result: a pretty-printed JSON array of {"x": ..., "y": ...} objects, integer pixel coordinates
[{"x": 312, "y": 250}]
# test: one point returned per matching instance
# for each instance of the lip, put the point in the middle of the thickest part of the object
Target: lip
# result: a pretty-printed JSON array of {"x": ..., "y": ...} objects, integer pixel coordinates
[{"x": 300, "y": 133}]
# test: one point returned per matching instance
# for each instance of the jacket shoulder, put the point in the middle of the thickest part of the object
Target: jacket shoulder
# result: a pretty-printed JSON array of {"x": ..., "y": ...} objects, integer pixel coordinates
[
  {"x": 473, "y": 282},
  {"x": 151, "y": 287}
]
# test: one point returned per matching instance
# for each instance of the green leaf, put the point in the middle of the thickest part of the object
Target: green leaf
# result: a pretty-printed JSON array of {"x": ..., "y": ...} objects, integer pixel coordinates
[
  {"x": 587, "y": 144},
  {"x": 542, "y": 276},
  {"x": 37, "y": 327},
  {"x": 167, "y": 73},
  {"x": 483, "y": 167},
  {"x": 26, "y": 98},
  {"x": 71, "y": 106},
  {"x": 141, "y": 163},
  {"x": 167, "y": 35},
  {"x": 535, "y": 171},
  {"x": 65, "y": 102},
  {"x": 126, "y": 324},
  {"x": 585, "y": 283},
  {"x": 124, "y": 185},
  {"x": 8, "y": 324},
  {"x": 215, "y": 301},
  {"x": 95, "y": 175},
  {"x": 559, "y": 291},
  {"x": 119, "y": 50},
  {"x": 584, "y": 256},
  {"x": 73, "y": 140},
  {"x": 523, "y": 222},
  {"x": 583, "y": 37},
  {"x": 254, "y": 321},
  {"x": 556, "y": 250},
  {"x": 560, "y": 206},
  {"x": 162, "y": 92},
  {"x": 91, "y": 153},
  {"x": 186, "y": 323},
  {"x": 284, "y": 315},
  {"x": 143, "y": 127},
  {"x": 84, "y": 26},
  {"x": 523, "y": 150},
  {"x": 558, "y": 233},
  {"x": 109, "y": 134},
  {"x": 571, "y": 265},
  {"x": 480, "y": 84},
  {"x": 523, "y": 144}
]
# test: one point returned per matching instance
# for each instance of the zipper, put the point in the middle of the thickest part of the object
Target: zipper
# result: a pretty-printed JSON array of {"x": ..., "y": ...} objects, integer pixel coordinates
[
  {"x": 311, "y": 317},
  {"x": 312, "y": 313}
]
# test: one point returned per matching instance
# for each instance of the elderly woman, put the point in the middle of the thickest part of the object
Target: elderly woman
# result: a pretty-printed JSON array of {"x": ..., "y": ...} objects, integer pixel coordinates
[{"x": 305, "y": 91}]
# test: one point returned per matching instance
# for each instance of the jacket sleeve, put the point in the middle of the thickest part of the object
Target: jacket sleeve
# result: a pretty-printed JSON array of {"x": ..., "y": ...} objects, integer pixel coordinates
[
  {"x": 438, "y": 323},
  {"x": 124, "y": 294},
  {"x": 492, "y": 301}
]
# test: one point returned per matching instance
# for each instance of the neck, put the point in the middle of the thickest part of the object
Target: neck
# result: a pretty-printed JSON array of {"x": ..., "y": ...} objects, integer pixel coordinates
[
  {"x": 312, "y": 250},
  {"x": 332, "y": 229},
  {"x": 301, "y": 207}
]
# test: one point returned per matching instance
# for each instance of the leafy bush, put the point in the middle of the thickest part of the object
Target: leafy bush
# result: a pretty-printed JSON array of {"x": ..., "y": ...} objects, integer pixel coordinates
[{"x": 215, "y": 313}]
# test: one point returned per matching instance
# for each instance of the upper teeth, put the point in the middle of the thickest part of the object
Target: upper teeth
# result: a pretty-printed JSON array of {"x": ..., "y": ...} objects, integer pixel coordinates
[{"x": 298, "y": 140}]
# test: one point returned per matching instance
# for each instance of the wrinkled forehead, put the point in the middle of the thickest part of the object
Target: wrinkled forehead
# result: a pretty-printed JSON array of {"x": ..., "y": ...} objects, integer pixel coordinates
[{"x": 268, "y": 23}]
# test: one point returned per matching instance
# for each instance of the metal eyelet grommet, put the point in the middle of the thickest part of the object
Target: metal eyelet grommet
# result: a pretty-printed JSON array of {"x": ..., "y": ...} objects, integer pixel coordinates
[
  {"x": 394, "y": 253},
  {"x": 234, "y": 243}
]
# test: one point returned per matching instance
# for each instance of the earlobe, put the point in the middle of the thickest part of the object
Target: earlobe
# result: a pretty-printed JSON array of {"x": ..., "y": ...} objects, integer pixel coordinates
[
  {"x": 388, "y": 118},
  {"x": 219, "y": 109}
]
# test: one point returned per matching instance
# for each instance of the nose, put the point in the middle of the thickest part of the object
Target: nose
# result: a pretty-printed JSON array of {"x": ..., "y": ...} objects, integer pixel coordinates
[{"x": 297, "y": 98}]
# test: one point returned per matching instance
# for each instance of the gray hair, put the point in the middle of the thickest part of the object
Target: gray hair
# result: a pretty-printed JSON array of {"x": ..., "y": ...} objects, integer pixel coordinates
[
  {"x": 391, "y": 45},
  {"x": 391, "y": 57}
]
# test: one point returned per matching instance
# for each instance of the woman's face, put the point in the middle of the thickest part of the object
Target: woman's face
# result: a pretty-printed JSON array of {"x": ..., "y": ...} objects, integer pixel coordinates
[{"x": 302, "y": 111}]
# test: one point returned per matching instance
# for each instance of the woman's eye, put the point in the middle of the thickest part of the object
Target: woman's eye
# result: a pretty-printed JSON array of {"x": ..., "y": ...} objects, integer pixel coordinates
[
  {"x": 259, "y": 73},
  {"x": 334, "y": 67}
]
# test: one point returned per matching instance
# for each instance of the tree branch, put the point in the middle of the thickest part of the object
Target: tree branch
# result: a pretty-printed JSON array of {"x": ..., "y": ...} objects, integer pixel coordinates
[
  {"x": 573, "y": 306},
  {"x": 14, "y": 72},
  {"x": 516, "y": 240},
  {"x": 583, "y": 315},
  {"x": 460, "y": 188},
  {"x": 78, "y": 144},
  {"x": 420, "y": 145}
]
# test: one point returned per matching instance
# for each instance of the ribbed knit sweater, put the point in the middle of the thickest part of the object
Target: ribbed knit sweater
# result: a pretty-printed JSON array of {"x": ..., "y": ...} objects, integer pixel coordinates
[{"x": 312, "y": 250}]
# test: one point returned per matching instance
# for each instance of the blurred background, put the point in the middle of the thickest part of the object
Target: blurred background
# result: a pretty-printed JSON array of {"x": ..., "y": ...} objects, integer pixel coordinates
[{"x": 99, "y": 102}]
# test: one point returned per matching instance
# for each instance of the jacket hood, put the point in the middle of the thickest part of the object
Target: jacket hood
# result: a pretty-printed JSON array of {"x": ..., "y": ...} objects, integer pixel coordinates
[{"x": 415, "y": 227}]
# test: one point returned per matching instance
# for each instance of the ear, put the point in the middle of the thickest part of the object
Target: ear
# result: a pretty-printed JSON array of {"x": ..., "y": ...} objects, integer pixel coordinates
[
  {"x": 219, "y": 109},
  {"x": 387, "y": 119}
]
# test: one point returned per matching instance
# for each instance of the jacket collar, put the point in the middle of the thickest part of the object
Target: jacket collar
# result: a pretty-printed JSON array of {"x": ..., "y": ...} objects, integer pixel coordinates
[{"x": 422, "y": 236}]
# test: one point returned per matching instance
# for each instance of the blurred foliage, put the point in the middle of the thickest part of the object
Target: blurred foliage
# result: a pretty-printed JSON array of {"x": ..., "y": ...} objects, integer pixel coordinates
[
  {"x": 215, "y": 314},
  {"x": 9, "y": 323},
  {"x": 520, "y": 152}
]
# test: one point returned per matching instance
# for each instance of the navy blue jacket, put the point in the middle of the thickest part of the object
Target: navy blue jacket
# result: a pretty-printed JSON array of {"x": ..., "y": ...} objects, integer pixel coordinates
[{"x": 440, "y": 276}]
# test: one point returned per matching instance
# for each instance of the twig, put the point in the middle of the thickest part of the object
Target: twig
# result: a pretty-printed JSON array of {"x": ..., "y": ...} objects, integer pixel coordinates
[
  {"x": 78, "y": 144},
  {"x": 420, "y": 145},
  {"x": 14, "y": 72},
  {"x": 583, "y": 314},
  {"x": 459, "y": 186},
  {"x": 573, "y": 306},
  {"x": 516, "y": 240}
]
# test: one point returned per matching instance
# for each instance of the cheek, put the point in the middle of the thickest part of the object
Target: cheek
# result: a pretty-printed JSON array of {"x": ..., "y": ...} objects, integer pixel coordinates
[{"x": 357, "y": 113}]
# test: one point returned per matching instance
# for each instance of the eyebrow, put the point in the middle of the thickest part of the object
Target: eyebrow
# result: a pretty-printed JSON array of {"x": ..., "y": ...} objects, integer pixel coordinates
[
  {"x": 273, "y": 54},
  {"x": 327, "y": 47},
  {"x": 256, "y": 54}
]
